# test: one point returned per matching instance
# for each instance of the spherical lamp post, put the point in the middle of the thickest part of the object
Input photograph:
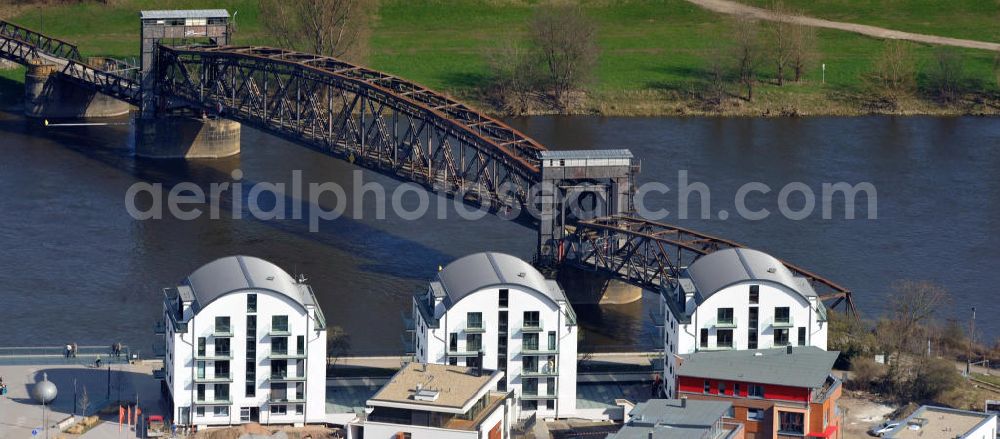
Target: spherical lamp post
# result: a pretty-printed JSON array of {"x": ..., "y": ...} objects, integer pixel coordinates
[{"x": 44, "y": 392}]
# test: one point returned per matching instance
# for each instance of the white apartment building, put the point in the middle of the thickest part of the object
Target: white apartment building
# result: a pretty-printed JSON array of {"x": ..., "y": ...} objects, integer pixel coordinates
[
  {"x": 738, "y": 299},
  {"x": 495, "y": 311},
  {"x": 245, "y": 342},
  {"x": 434, "y": 401}
]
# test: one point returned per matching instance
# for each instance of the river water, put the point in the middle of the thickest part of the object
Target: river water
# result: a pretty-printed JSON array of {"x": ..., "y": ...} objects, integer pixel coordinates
[{"x": 76, "y": 267}]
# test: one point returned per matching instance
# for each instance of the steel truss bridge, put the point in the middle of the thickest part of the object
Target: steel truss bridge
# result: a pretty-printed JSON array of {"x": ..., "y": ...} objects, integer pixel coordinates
[{"x": 393, "y": 126}]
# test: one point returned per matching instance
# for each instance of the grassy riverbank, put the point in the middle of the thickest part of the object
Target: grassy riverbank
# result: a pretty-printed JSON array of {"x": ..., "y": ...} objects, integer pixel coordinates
[{"x": 651, "y": 60}]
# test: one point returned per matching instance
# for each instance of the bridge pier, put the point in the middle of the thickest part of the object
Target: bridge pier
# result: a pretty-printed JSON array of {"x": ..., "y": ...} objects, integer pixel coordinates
[
  {"x": 48, "y": 95},
  {"x": 186, "y": 137},
  {"x": 592, "y": 287}
]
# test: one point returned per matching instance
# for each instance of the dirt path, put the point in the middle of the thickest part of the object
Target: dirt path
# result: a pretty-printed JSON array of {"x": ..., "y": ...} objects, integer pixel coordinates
[{"x": 733, "y": 8}]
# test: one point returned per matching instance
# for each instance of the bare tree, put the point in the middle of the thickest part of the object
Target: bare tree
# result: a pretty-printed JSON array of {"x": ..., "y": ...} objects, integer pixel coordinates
[
  {"x": 893, "y": 74},
  {"x": 715, "y": 60},
  {"x": 747, "y": 51},
  {"x": 566, "y": 42},
  {"x": 83, "y": 402},
  {"x": 514, "y": 74},
  {"x": 946, "y": 74},
  {"x": 338, "y": 343},
  {"x": 780, "y": 41},
  {"x": 337, "y": 28},
  {"x": 803, "y": 53},
  {"x": 913, "y": 303}
]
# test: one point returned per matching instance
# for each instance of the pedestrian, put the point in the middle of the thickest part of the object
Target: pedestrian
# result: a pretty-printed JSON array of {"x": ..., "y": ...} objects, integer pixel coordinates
[
  {"x": 657, "y": 384},
  {"x": 97, "y": 362},
  {"x": 75, "y": 349},
  {"x": 69, "y": 350}
]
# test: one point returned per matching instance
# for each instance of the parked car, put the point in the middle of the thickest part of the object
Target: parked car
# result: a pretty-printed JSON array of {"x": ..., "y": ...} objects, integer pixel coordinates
[{"x": 883, "y": 428}]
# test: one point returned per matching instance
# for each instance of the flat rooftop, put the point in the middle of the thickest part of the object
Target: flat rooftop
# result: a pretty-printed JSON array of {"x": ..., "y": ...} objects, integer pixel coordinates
[
  {"x": 805, "y": 366},
  {"x": 183, "y": 13},
  {"x": 930, "y": 422},
  {"x": 673, "y": 418},
  {"x": 443, "y": 386}
]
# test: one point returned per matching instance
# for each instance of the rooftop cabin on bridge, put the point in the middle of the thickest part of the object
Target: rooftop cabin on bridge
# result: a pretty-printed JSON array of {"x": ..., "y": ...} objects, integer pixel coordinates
[
  {"x": 739, "y": 299},
  {"x": 585, "y": 184}
]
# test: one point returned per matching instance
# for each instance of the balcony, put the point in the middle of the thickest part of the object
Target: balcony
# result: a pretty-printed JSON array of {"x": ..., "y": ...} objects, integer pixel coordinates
[
  {"x": 531, "y": 327},
  {"x": 535, "y": 350},
  {"x": 279, "y": 331},
  {"x": 285, "y": 355},
  {"x": 535, "y": 396},
  {"x": 465, "y": 353},
  {"x": 783, "y": 323},
  {"x": 541, "y": 372},
  {"x": 227, "y": 401},
  {"x": 214, "y": 379},
  {"x": 284, "y": 399},
  {"x": 475, "y": 329},
  {"x": 223, "y": 331},
  {"x": 286, "y": 378},
  {"x": 222, "y": 355},
  {"x": 724, "y": 323}
]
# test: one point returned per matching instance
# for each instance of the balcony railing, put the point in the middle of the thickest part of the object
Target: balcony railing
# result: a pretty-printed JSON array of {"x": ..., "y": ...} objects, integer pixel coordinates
[
  {"x": 214, "y": 379},
  {"x": 284, "y": 399},
  {"x": 280, "y": 330},
  {"x": 531, "y": 327},
  {"x": 541, "y": 372},
  {"x": 287, "y": 377},
  {"x": 227, "y": 401},
  {"x": 222, "y": 331},
  {"x": 535, "y": 350},
  {"x": 285, "y": 355},
  {"x": 725, "y": 323},
  {"x": 475, "y": 329},
  {"x": 783, "y": 323},
  {"x": 465, "y": 353},
  {"x": 221, "y": 355}
]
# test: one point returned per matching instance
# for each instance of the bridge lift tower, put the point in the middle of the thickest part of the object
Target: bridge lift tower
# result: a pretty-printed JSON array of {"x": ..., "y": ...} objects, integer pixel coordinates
[
  {"x": 581, "y": 185},
  {"x": 175, "y": 27}
]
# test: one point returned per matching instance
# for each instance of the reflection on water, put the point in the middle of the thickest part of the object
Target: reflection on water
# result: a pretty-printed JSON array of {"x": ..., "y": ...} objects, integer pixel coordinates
[{"x": 71, "y": 251}]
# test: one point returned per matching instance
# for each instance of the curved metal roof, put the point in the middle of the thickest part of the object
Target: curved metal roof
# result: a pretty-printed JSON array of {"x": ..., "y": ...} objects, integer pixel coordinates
[
  {"x": 720, "y": 269},
  {"x": 236, "y": 273},
  {"x": 474, "y": 272}
]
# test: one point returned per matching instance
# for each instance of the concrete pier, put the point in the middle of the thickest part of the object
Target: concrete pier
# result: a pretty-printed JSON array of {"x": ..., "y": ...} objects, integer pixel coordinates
[
  {"x": 589, "y": 287},
  {"x": 186, "y": 137},
  {"x": 48, "y": 95}
]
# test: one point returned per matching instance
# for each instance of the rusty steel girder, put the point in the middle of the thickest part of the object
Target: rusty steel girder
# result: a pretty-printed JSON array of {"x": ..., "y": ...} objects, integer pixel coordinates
[
  {"x": 32, "y": 43},
  {"x": 371, "y": 118},
  {"x": 652, "y": 254}
]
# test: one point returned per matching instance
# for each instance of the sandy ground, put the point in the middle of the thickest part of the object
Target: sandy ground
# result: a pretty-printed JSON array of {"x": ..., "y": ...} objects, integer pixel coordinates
[
  {"x": 730, "y": 7},
  {"x": 861, "y": 414}
]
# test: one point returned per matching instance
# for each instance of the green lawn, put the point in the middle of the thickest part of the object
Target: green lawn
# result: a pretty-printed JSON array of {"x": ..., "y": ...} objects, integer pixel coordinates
[
  {"x": 648, "y": 47},
  {"x": 969, "y": 19}
]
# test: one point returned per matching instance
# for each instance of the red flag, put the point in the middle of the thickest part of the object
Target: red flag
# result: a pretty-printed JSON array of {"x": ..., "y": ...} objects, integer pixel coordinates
[
  {"x": 121, "y": 417},
  {"x": 137, "y": 411}
]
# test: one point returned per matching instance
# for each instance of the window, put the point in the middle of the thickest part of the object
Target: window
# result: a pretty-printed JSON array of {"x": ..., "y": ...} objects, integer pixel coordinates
[
  {"x": 220, "y": 411},
  {"x": 552, "y": 340},
  {"x": 708, "y": 387},
  {"x": 473, "y": 342},
  {"x": 704, "y": 337},
  {"x": 453, "y": 342},
  {"x": 754, "y": 294},
  {"x": 222, "y": 369},
  {"x": 279, "y": 323},
  {"x": 251, "y": 390},
  {"x": 724, "y": 338},
  {"x": 755, "y": 391},
  {"x": 532, "y": 320},
  {"x": 752, "y": 340},
  {"x": 502, "y": 385},
  {"x": 222, "y": 325},
  {"x": 474, "y": 320},
  {"x": 252, "y": 327},
  {"x": 725, "y": 316},
  {"x": 529, "y": 386},
  {"x": 300, "y": 390},
  {"x": 279, "y": 368},
  {"x": 452, "y": 361},
  {"x": 722, "y": 387},
  {"x": 529, "y": 363},
  {"x": 300, "y": 345},
  {"x": 251, "y": 302},
  {"x": 222, "y": 347},
  {"x": 527, "y": 404},
  {"x": 550, "y": 404},
  {"x": 200, "y": 391},
  {"x": 201, "y": 370},
  {"x": 790, "y": 423},
  {"x": 279, "y": 345},
  {"x": 244, "y": 414},
  {"x": 755, "y": 414},
  {"x": 802, "y": 336},
  {"x": 201, "y": 346},
  {"x": 279, "y": 410},
  {"x": 754, "y": 317},
  {"x": 736, "y": 390},
  {"x": 251, "y": 378},
  {"x": 781, "y": 337},
  {"x": 199, "y": 412},
  {"x": 530, "y": 342},
  {"x": 298, "y": 409},
  {"x": 221, "y": 392},
  {"x": 731, "y": 413},
  {"x": 504, "y": 297},
  {"x": 502, "y": 324},
  {"x": 782, "y": 315}
]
